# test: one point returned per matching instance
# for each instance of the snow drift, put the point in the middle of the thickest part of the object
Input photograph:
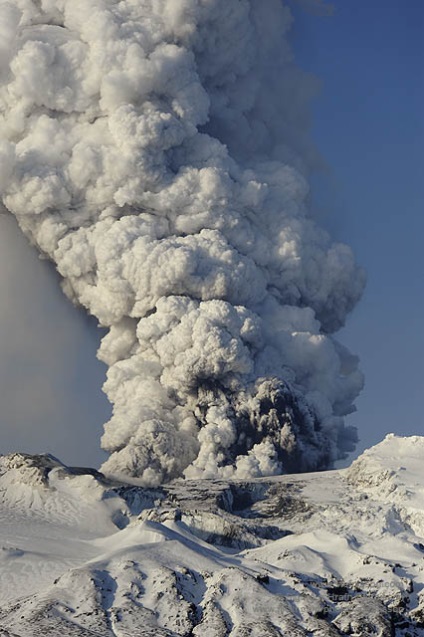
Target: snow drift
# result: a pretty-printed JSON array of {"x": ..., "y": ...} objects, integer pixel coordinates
[
  {"x": 324, "y": 554},
  {"x": 157, "y": 152}
]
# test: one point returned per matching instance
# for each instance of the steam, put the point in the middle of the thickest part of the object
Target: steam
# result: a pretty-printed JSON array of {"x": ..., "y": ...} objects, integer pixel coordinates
[{"x": 157, "y": 152}]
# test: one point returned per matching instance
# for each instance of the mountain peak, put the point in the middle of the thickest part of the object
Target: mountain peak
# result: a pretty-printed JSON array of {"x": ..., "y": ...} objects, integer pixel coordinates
[{"x": 328, "y": 553}]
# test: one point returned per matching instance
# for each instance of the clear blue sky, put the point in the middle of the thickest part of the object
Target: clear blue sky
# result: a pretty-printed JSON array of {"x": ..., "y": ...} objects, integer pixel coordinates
[
  {"x": 50, "y": 380},
  {"x": 367, "y": 123}
]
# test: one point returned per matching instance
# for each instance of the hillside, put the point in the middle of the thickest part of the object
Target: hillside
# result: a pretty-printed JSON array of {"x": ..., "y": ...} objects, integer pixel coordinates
[{"x": 330, "y": 553}]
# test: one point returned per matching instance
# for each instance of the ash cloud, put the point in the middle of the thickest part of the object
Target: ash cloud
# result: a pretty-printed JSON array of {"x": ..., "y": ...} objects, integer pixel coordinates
[{"x": 157, "y": 151}]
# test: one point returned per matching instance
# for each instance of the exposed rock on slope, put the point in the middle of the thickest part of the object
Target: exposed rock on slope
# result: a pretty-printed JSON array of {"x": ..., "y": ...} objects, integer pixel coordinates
[{"x": 325, "y": 554}]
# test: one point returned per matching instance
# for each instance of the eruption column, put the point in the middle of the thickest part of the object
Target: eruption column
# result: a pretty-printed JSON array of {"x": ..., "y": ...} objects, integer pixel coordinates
[{"x": 157, "y": 152}]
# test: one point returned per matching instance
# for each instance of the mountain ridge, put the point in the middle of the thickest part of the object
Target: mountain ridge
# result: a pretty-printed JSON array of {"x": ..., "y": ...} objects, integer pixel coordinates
[{"x": 332, "y": 553}]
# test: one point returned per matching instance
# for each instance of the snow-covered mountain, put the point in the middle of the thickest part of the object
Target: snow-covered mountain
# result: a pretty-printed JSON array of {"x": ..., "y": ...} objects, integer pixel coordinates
[
  {"x": 331, "y": 553},
  {"x": 158, "y": 153}
]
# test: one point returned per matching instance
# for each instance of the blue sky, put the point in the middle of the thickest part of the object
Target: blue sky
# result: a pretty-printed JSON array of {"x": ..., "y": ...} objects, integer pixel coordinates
[
  {"x": 367, "y": 123},
  {"x": 50, "y": 380}
]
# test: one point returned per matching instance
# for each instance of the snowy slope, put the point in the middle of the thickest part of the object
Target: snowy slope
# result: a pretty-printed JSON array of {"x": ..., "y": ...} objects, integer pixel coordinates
[{"x": 331, "y": 553}]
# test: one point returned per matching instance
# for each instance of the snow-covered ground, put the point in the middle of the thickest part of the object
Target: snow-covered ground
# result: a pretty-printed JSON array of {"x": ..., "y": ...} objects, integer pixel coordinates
[{"x": 331, "y": 553}]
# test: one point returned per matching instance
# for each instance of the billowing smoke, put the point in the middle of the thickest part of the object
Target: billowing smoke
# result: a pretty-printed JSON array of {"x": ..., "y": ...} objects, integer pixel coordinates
[{"x": 157, "y": 152}]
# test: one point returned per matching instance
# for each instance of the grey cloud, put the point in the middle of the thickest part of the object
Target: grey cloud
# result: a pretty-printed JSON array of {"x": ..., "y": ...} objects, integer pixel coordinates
[{"x": 158, "y": 153}]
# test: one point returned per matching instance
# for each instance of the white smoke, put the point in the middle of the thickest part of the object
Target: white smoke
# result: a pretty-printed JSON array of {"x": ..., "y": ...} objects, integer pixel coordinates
[{"x": 157, "y": 152}]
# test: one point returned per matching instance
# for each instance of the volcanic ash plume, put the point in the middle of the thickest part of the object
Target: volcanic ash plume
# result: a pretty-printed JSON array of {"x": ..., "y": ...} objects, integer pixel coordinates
[{"x": 156, "y": 151}]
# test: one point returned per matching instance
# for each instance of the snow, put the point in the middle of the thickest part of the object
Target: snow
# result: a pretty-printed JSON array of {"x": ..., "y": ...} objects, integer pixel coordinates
[{"x": 305, "y": 554}]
